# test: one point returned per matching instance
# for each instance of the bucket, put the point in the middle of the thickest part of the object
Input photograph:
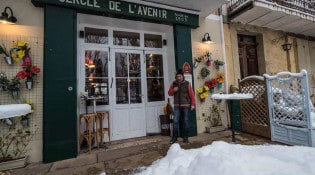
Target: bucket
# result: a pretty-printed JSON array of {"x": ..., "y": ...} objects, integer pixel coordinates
[{"x": 165, "y": 125}]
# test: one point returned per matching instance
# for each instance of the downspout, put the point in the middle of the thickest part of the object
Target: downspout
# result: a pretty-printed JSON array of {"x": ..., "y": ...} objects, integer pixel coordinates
[
  {"x": 225, "y": 65},
  {"x": 223, "y": 50},
  {"x": 288, "y": 55}
]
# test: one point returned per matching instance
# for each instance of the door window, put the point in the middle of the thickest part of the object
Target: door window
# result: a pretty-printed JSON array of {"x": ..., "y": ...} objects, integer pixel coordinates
[
  {"x": 96, "y": 75},
  {"x": 155, "y": 77},
  {"x": 128, "y": 78}
]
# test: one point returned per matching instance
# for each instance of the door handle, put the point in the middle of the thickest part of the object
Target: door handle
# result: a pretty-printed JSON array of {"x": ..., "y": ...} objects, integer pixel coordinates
[
  {"x": 111, "y": 84},
  {"x": 70, "y": 88}
]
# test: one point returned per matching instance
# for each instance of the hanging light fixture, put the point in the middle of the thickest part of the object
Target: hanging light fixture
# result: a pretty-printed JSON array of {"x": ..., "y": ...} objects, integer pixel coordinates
[
  {"x": 5, "y": 18},
  {"x": 91, "y": 64},
  {"x": 206, "y": 38}
]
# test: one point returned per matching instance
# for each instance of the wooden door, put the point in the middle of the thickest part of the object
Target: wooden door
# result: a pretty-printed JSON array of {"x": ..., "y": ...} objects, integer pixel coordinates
[{"x": 247, "y": 55}]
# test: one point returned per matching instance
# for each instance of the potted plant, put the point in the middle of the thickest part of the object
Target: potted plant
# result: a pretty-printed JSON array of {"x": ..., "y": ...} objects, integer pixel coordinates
[
  {"x": 204, "y": 72},
  {"x": 4, "y": 51},
  {"x": 203, "y": 92},
  {"x": 19, "y": 50},
  {"x": 211, "y": 84},
  {"x": 28, "y": 72},
  {"x": 220, "y": 79},
  {"x": 197, "y": 61},
  {"x": 3, "y": 82},
  {"x": 208, "y": 58},
  {"x": 13, "y": 148},
  {"x": 25, "y": 120},
  {"x": 218, "y": 63},
  {"x": 14, "y": 87}
]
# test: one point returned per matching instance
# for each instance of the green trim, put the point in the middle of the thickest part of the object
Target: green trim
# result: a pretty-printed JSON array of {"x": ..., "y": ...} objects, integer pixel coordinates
[
  {"x": 183, "y": 53},
  {"x": 60, "y": 110},
  {"x": 123, "y": 9}
]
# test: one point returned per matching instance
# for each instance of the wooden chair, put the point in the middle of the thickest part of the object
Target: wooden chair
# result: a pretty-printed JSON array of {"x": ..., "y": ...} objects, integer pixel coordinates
[
  {"x": 90, "y": 129},
  {"x": 100, "y": 119}
]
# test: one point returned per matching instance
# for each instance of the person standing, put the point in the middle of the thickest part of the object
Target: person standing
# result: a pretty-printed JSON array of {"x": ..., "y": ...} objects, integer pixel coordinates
[{"x": 184, "y": 100}]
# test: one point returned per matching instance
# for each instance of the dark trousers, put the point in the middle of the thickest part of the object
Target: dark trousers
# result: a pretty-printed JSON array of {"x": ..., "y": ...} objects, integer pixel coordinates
[{"x": 180, "y": 114}]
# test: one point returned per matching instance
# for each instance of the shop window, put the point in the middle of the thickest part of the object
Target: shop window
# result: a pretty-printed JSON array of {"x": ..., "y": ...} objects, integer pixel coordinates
[
  {"x": 155, "y": 77},
  {"x": 153, "y": 41},
  {"x": 123, "y": 38},
  {"x": 96, "y": 76},
  {"x": 96, "y": 36}
]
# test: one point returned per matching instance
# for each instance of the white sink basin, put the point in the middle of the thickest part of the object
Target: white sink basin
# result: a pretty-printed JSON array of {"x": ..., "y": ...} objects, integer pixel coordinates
[{"x": 13, "y": 110}]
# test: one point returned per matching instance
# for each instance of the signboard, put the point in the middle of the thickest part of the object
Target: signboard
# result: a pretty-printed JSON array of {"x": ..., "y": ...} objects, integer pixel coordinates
[{"x": 126, "y": 9}]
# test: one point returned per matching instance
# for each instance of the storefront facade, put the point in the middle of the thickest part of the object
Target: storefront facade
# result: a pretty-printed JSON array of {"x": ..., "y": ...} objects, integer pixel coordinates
[
  {"x": 122, "y": 75},
  {"x": 124, "y": 52}
]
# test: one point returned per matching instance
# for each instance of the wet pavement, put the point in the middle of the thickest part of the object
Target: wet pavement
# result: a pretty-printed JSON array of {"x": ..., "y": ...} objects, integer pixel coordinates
[{"x": 127, "y": 156}]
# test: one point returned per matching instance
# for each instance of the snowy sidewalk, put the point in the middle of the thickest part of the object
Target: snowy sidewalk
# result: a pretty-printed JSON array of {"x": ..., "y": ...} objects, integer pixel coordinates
[{"x": 123, "y": 157}]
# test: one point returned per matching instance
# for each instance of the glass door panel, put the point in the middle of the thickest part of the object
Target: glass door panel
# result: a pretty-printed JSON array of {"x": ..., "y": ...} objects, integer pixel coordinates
[
  {"x": 128, "y": 78},
  {"x": 135, "y": 91},
  {"x": 155, "y": 77},
  {"x": 96, "y": 75}
]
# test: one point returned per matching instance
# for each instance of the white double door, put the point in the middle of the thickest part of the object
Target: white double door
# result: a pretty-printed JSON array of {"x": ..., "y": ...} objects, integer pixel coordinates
[{"x": 127, "y": 93}]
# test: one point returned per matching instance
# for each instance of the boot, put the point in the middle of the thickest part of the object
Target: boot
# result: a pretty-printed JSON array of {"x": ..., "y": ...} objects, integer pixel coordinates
[
  {"x": 174, "y": 138},
  {"x": 185, "y": 140},
  {"x": 185, "y": 136}
]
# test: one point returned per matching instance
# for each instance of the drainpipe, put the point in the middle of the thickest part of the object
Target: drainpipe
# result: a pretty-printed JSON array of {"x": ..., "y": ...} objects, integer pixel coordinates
[
  {"x": 223, "y": 50},
  {"x": 288, "y": 54}
]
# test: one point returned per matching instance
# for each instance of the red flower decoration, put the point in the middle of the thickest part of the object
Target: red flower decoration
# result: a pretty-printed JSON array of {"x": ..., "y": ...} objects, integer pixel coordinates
[
  {"x": 28, "y": 70},
  {"x": 211, "y": 83}
]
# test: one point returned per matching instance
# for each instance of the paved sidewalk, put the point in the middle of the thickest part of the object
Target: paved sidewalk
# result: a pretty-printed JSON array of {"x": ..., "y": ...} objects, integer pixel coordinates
[{"x": 124, "y": 157}]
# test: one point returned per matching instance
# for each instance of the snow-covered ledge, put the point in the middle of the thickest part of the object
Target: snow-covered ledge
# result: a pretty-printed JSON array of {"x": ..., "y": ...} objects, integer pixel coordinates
[
  {"x": 234, "y": 96},
  {"x": 13, "y": 110}
]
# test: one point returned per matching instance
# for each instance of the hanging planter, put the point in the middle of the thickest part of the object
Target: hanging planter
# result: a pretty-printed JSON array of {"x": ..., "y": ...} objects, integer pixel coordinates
[
  {"x": 15, "y": 94},
  {"x": 25, "y": 121},
  {"x": 197, "y": 61},
  {"x": 220, "y": 85},
  {"x": 218, "y": 63},
  {"x": 8, "y": 60},
  {"x": 6, "y": 53},
  {"x": 204, "y": 72},
  {"x": 29, "y": 83},
  {"x": 208, "y": 58},
  {"x": 211, "y": 90},
  {"x": 208, "y": 62}
]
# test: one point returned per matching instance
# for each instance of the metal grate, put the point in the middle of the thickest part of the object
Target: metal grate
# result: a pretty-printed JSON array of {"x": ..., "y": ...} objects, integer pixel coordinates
[{"x": 34, "y": 95}]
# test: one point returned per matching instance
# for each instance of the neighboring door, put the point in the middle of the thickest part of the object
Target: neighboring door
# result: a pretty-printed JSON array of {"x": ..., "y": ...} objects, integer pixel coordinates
[
  {"x": 128, "y": 91},
  {"x": 247, "y": 47}
]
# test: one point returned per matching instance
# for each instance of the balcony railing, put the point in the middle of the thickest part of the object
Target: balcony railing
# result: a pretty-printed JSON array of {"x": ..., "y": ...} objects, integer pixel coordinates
[{"x": 307, "y": 6}]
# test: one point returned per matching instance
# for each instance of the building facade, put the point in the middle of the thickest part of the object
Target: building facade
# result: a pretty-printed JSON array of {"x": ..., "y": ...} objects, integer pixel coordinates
[{"x": 125, "y": 53}]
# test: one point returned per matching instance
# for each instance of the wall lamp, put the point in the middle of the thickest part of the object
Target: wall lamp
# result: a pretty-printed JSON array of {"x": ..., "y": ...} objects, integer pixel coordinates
[
  {"x": 206, "y": 38},
  {"x": 5, "y": 18},
  {"x": 286, "y": 46}
]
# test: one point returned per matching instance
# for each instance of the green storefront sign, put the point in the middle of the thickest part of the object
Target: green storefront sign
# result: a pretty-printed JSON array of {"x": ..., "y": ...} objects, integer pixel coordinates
[{"x": 126, "y": 9}]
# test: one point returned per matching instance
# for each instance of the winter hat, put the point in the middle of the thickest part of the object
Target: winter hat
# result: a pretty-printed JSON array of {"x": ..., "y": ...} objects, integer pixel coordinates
[{"x": 179, "y": 71}]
